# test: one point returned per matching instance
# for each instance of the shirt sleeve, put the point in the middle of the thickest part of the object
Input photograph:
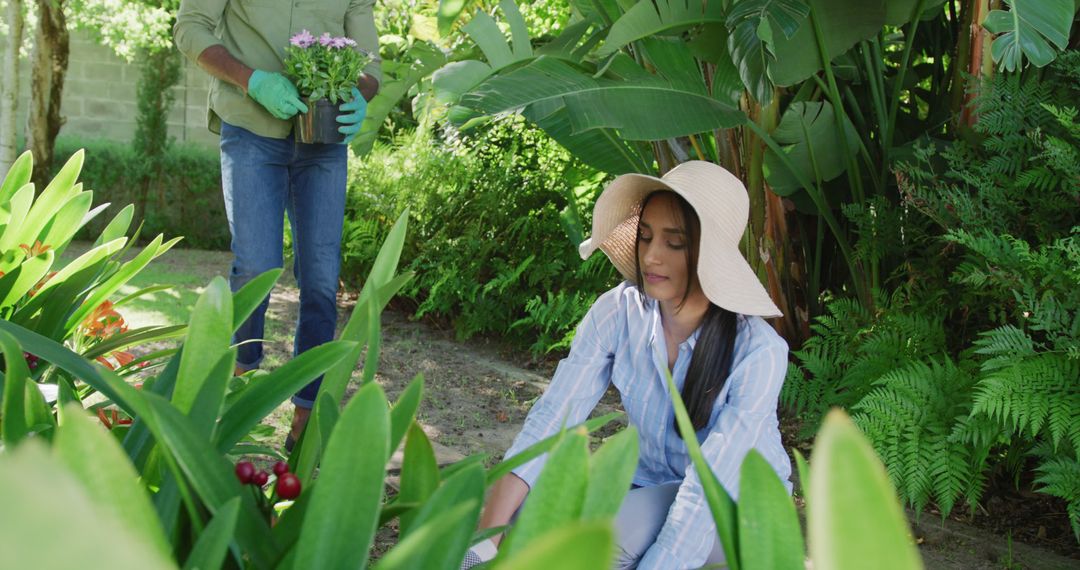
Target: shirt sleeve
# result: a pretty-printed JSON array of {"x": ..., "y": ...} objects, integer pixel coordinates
[
  {"x": 749, "y": 412},
  {"x": 578, "y": 384},
  {"x": 360, "y": 26},
  {"x": 195, "y": 25}
]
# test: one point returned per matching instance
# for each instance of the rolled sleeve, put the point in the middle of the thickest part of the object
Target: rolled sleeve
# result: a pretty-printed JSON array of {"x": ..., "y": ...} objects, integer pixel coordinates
[
  {"x": 360, "y": 27},
  {"x": 195, "y": 25},
  {"x": 747, "y": 415},
  {"x": 578, "y": 384}
]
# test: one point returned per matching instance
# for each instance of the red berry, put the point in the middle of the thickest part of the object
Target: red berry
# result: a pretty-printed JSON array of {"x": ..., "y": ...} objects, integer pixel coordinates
[
  {"x": 288, "y": 486},
  {"x": 260, "y": 478},
  {"x": 281, "y": 468},
  {"x": 245, "y": 471}
]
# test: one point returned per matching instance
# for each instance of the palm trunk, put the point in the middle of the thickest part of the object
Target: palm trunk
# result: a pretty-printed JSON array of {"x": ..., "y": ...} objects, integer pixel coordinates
[
  {"x": 9, "y": 87},
  {"x": 50, "y": 63}
]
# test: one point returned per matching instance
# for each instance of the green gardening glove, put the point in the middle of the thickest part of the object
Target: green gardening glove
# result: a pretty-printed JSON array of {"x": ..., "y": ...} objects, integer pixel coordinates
[
  {"x": 276, "y": 94},
  {"x": 351, "y": 121}
]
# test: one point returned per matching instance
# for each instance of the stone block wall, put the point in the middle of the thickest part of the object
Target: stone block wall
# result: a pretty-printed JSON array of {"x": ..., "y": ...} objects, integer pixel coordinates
[{"x": 100, "y": 96}]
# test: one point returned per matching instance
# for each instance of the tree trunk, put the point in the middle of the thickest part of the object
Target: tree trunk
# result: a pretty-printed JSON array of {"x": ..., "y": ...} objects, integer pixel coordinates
[
  {"x": 9, "y": 87},
  {"x": 50, "y": 63}
]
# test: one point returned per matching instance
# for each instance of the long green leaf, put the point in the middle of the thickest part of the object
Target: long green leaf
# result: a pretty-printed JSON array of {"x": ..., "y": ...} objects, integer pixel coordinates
[
  {"x": 247, "y": 299},
  {"x": 605, "y": 103},
  {"x": 88, "y": 259},
  {"x": 33, "y": 269},
  {"x": 489, "y": 38},
  {"x": 404, "y": 410},
  {"x": 399, "y": 78},
  {"x": 265, "y": 395},
  {"x": 379, "y": 284},
  {"x": 769, "y": 532},
  {"x": 15, "y": 211},
  {"x": 854, "y": 514},
  {"x": 52, "y": 199},
  {"x": 143, "y": 335},
  {"x": 71, "y": 217},
  {"x": 13, "y": 422},
  {"x": 118, "y": 226},
  {"x": 110, "y": 481},
  {"x": 419, "y": 474},
  {"x": 720, "y": 503},
  {"x": 340, "y": 523},
  {"x": 576, "y": 546},
  {"x": 448, "y": 549},
  {"x": 43, "y": 501},
  {"x": 207, "y": 340},
  {"x": 449, "y": 10},
  {"x": 662, "y": 17},
  {"x": 213, "y": 543},
  {"x": 17, "y": 176},
  {"x": 557, "y": 497},
  {"x": 611, "y": 471},
  {"x": 426, "y": 548}
]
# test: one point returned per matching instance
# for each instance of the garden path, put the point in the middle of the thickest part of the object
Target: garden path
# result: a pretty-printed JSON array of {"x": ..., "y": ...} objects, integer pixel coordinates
[{"x": 477, "y": 394}]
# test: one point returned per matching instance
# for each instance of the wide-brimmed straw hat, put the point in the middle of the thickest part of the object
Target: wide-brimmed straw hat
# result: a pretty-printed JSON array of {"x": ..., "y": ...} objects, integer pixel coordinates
[{"x": 722, "y": 205}]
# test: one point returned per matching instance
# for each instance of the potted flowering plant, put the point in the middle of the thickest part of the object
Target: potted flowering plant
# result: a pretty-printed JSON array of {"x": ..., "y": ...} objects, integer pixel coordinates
[{"x": 325, "y": 70}]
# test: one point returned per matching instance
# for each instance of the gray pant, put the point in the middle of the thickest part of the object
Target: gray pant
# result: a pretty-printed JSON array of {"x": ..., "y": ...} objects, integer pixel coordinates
[{"x": 639, "y": 521}]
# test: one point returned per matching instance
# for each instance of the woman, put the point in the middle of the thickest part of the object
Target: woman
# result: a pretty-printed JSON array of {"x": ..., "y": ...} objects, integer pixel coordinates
[{"x": 691, "y": 306}]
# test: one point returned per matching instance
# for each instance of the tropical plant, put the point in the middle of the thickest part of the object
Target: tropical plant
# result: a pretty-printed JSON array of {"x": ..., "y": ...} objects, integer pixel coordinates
[
  {"x": 969, "y": 369},
  {"x": 70, "y": 304},
  {"x": 810, "y": 101}
]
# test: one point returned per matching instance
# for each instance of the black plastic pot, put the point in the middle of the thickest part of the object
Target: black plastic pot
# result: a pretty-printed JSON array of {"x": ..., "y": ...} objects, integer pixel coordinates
[{"x": 319, "y": 124}]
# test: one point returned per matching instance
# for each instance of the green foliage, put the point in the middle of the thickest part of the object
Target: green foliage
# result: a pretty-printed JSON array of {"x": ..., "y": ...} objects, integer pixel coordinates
[
  {"x": 68, "y": 304},
  {"x": 491, "y": 215},
  {"x": 175, "y": 457},
  {"x": 184, "y": 198},
  {"x": 324, "y": 67},
  {"x": 972, "y": 366}
]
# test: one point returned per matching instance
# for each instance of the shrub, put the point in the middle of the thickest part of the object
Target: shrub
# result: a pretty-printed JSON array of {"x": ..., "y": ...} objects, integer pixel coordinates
[
  {"x": 185, "y": 200},
  {"x": 972, "y": 364},
  {"x": 493, "y": 215}
]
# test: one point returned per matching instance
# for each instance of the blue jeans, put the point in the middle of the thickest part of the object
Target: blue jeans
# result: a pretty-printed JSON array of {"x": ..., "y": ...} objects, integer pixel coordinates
[{"x": 262, "y": 179}]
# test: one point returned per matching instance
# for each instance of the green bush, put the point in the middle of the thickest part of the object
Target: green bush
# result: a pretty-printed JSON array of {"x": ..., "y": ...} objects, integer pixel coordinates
[
  {"x": 492, "y": 218},
  {"x": 185, "y": 200},
  {"x": 971, "y": 366}
]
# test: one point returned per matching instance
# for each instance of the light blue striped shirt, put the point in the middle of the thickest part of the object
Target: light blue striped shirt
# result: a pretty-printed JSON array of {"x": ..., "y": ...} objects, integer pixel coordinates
[{"x": 621, "y": 341}]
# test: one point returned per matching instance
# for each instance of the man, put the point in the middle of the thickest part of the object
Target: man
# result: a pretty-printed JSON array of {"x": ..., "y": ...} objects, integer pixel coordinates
[{"x": 264, "y": 173}]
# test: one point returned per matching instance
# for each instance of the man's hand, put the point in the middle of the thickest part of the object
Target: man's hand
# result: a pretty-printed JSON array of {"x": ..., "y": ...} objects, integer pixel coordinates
[
  {"x": 277, "y": 94},
  {"x": 350, "y": 122}
]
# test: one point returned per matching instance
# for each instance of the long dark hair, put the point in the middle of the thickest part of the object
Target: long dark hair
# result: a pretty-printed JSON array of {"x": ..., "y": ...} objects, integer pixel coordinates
[{"x": 710, "y": 364}]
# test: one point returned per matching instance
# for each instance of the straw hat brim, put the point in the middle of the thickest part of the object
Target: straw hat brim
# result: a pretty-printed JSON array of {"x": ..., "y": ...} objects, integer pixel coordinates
[{"x": 722, "y": 205}]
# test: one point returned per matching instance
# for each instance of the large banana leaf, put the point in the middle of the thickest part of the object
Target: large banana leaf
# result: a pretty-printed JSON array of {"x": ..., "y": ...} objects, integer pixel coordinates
[
  {"x": 1029, "y": 29},
  {"x": 808, "y": 136},
  {"x": 751, "y": 41},
  {"x": 843, "y": 24},
  {"x": 592, "y": 102},
  {"x": 662, "y": 17}
]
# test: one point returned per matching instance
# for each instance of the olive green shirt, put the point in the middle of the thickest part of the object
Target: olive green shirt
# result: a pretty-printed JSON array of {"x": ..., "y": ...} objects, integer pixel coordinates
[{"x": 256, "y": 32}]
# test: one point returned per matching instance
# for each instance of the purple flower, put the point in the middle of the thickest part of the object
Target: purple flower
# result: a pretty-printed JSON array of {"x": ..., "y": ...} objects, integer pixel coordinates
[
  {"x": 338, "y": 42},
  {"x": 325, "y": 39},
  {"x": 349, "y": 42},
  {"x": 303, "y": 39}
]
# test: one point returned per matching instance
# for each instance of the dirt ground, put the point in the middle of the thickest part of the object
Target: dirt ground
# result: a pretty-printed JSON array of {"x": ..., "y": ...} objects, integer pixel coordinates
[{"x": 478, "y": 393}]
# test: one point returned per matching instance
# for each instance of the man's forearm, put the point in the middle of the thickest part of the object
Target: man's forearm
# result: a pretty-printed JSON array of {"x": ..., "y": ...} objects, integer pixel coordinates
[
  {"x": 368, "y": 86},
  {"x": 217, "y": 61}
]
